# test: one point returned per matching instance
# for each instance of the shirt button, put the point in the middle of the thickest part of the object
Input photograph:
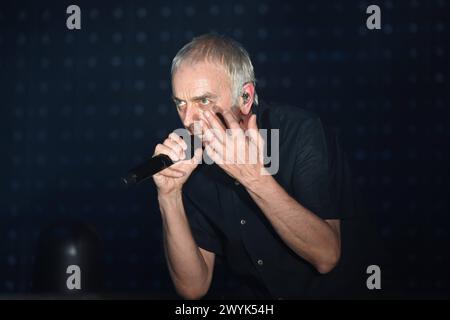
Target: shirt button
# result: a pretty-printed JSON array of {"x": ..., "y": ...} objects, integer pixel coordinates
[
  {"x": 260, "y": 262},
  {"x": 243, "y": 221},
  {"x": 236, "y": 183}
]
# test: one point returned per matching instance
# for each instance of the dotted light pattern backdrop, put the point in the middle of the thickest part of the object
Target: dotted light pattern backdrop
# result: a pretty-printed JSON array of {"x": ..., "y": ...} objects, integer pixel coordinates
[{"x": 79, "y": 108}]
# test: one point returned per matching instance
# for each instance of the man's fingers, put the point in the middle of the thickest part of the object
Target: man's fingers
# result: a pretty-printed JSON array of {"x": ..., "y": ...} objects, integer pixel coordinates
[
  {"x": 171, "y": 173},
  {"x": 255, "y": 138},
  {"x": 212, "y": 153},
  {"x": 176, "y": 147},
  {"x": 253, "y": 132},
  {"x": 214, "y": 122},
  {"x": 163, "y": 149},
  {"x": 197, "y": 156},
  {"x": 178, "y": 140},
  {"x": 208, "y": 134},
  {"x": 232, "y": 123},
  {"x": 252, "y": 125},
  {"x": 217, "y": 145},
  {"x": 211, "y": 128},
  {"x": 214, "y": 134},
  {"x": 203, "y": 127}
]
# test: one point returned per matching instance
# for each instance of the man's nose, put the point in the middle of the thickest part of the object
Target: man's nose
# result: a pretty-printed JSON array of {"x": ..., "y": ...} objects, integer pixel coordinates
[{"x": 192, "y": 115}]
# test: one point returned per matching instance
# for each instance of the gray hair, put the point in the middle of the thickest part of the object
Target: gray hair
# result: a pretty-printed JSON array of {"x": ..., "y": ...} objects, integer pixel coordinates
[{"x": 217, "y": 48}]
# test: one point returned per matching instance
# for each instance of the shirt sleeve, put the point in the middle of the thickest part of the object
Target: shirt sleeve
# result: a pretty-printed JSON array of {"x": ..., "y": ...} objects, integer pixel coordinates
[
  {"x": 312, "y": 173},
  {"x": 202, "y": 230}
]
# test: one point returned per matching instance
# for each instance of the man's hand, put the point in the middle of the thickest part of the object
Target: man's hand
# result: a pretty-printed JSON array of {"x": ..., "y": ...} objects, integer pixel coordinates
[
  {"x": 239, "y": 153},
  {"x": 172, "y": 179}
]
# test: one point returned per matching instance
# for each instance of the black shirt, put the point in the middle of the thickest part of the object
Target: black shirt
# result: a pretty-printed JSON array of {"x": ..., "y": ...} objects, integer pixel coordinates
[{"x": 225, "y": 220}]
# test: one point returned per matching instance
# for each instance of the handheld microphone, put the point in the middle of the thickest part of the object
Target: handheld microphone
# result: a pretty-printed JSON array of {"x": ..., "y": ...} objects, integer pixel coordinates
[
  {"x": 155, "y": 164},
  {"x": 147, "y": 169},
  {"x": 160, "y": 162}
]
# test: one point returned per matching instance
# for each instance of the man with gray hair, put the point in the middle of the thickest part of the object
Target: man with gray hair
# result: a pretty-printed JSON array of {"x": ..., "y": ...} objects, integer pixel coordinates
[{"x": 274, "y": 232}]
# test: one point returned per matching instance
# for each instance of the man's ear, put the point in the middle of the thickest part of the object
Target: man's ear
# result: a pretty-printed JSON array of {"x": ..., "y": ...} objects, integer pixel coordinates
[{"x": 247, "y": 98}]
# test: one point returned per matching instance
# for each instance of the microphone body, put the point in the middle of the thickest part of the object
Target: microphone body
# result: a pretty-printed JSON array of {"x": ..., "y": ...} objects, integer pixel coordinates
[{"x": 147, "y": 169}]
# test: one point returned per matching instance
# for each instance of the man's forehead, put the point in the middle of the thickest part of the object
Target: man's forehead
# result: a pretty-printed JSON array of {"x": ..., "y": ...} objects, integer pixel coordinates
[
  {"x": 195, "y": 87},
  {"x": 199, "y": 81},
  {"x": 200, "y": 70}
]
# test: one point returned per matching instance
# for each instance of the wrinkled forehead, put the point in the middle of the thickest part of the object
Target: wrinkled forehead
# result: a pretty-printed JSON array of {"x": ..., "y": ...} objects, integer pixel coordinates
[{"x": 195, "y": 77}]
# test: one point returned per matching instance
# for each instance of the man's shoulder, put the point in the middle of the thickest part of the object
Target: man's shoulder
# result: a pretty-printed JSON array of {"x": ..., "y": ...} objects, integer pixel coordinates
[{"x": 277, "y": 115}]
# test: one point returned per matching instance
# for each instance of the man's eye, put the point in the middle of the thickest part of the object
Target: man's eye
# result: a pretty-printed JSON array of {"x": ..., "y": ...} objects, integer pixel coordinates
[
  {"x": 205, "y": 101},
  {"x": 180, "y": 104}
]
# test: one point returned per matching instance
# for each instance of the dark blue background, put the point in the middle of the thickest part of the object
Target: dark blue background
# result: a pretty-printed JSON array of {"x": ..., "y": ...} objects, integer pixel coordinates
[{"x": 78, "y": 108}]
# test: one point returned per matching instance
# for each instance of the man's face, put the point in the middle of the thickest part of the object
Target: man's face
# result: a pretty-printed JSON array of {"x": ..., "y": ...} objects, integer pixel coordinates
[{"x": 200, "y": 87}]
